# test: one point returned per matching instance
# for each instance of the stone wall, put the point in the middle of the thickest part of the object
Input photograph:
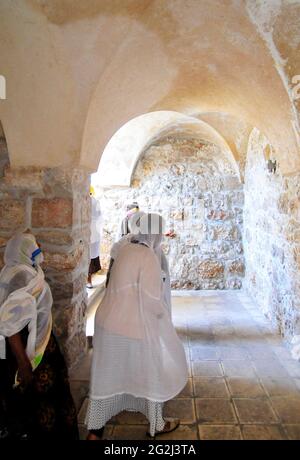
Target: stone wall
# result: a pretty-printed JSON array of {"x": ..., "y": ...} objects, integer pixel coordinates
[
  {"x": 272, "y": 238},
  {"x": 55, "y": 204},
  {"x": 196, "y": 191}
]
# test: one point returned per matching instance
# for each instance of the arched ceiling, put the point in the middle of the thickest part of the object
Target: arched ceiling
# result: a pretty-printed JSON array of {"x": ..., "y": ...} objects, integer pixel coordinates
[
  {"x": 235, "y": 131},
  {"x": 76, "y": 72},
  {"x": 123, "y": 151}
]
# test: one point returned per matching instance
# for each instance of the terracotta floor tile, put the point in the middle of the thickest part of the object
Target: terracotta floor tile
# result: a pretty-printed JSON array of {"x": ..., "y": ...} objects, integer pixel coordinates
[
  {"x": 210, "y": 387},
  {"x": 254, "y": 411},
  {"x": 130, "y": 418},
  {"x": 293, "y": 432},
  {"x": 238, "y": 368},
  {"x": 219, "y": 432},
  {"x": 130, "y": 432},
  {"x": 188, "y": 391},
  {"x": 245, "y": 387},
  {"x": 263, "y": 432},
  {"x": 203, "y": 353},
  {"x": 207, "y": 369},
  {"x": 186, "y": 432},
  {"x": 215, "y": 411},
  {"x": 181, "y": 408},
  {"x": 288, "y": 409},
  {"x": 280, "y": 386}
]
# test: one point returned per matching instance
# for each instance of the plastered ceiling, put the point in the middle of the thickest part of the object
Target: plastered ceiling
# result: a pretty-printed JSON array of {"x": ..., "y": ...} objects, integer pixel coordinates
[{"x": 77, "y": 71}]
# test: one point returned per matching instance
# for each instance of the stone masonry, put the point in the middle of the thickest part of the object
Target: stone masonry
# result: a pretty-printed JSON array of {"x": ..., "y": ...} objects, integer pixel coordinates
[
  {"x": 55, "y": 205},
  {"x": 272, "y": 238},
  {"x": 201, "y": 199}
]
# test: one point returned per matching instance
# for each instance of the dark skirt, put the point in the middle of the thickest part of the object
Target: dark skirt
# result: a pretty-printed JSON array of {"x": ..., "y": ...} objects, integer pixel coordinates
[
  {"x": 45, "y": 409},
  {"x": 95, "y": 265}
]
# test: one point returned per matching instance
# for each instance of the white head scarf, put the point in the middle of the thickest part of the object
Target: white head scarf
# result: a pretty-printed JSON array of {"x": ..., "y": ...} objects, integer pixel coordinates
[
  {"x": 23, "y": 249},
  {"x": 149, "y": 231},
  {"x": 29, "y": 305},
  {"x": 133, "y": 227},
  {"x": 140, "y": 226}
]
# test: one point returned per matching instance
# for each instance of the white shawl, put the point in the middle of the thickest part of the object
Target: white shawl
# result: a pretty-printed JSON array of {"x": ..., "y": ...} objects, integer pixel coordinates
[
  {"x": 29, "y": 305},
  {"x": 136, "y": 348}
]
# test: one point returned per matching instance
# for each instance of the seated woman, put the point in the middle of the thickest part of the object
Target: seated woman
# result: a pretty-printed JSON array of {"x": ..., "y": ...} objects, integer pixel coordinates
[
  {"x": 138, "y": 361},
  {"x": 39, "y": 404}
]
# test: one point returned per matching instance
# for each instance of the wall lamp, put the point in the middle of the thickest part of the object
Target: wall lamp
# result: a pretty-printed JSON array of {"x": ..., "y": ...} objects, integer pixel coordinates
[{"x": 272, "y": 166}]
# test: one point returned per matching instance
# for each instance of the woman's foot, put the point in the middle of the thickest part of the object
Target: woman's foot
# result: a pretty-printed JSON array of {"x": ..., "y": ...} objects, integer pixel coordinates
[{"x": 171, "y": 425}]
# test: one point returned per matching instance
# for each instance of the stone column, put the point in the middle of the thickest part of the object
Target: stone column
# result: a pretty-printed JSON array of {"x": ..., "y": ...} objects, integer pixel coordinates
[{"x": 55, "y": 205}]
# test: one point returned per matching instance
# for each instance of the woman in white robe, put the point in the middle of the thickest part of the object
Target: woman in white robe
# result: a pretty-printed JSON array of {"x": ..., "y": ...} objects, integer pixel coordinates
[
  {"x": 138, "y": 362},
  {"x": 134, "y": 225},
  {"x": 36, "y": 393}
]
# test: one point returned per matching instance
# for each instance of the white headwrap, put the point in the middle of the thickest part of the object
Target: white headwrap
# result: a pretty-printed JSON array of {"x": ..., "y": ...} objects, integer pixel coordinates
[
  {"x": 133, "y": 227},
  {"x": 140, "y": 224},
  {"x": 25, "y": 297},
  {"x": 23, "y": 249}
]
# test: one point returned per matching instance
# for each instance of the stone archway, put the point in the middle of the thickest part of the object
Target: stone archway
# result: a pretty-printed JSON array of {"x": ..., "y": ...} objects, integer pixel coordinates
[
  {"x": 200, "y": 196},
  {"x": 124, "y": 149}
]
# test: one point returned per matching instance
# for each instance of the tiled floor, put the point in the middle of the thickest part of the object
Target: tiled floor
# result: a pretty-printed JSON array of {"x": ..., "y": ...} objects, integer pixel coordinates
[{"x": 243, "y": 382}]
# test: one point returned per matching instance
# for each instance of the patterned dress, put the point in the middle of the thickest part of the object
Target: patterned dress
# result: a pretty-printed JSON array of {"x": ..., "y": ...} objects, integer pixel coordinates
[
  {"x": 45, "y": 409},
  {"x": 100, "y": 411}
]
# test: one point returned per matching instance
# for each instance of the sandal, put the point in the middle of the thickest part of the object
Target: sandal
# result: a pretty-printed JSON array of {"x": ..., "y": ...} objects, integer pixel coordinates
[{"x": 170, "y": 425}]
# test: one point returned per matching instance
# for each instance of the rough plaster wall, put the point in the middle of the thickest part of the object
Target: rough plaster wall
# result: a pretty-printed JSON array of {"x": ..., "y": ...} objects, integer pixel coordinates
[
  {"x": 278, "y": 23},
  {"x": 272, "y": 238},
  {"x": 201, "y": 198}
]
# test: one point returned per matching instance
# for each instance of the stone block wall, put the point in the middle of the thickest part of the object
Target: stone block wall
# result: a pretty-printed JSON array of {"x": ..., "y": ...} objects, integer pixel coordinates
[
  {"x": 55, "y": 205},
  {"x": 201, "y": 199},
  {"x": 272, "y": 238}
]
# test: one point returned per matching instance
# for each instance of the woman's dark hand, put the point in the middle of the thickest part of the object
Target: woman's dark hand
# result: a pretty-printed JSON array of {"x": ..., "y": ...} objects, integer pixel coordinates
[
  {"x": 24, "y": 366},
  {"x": 25, "y": 373}
]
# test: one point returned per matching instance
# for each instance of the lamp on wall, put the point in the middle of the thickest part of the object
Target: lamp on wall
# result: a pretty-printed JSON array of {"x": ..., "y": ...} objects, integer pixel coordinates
[{"x": 272, "y": 166}]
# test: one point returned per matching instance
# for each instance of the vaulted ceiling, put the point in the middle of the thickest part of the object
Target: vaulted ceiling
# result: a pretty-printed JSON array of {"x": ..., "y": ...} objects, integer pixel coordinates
[{"x": 77, "y": 71}]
